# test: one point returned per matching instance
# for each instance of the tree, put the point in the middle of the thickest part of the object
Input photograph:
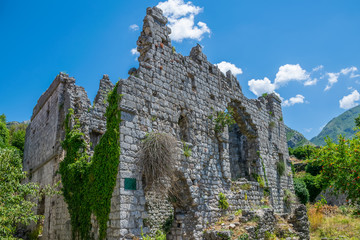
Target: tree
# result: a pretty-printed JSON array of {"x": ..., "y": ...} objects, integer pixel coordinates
[
  {"x": 341, "y": 166},
  {"x": 17, "y": 136},
  {"x": 4, "y": 132},
  {"x": 14, "y": 208}
]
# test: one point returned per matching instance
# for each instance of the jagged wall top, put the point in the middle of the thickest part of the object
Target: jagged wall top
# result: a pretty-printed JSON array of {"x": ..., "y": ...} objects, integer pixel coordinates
[{"x": 156, "y": 35}]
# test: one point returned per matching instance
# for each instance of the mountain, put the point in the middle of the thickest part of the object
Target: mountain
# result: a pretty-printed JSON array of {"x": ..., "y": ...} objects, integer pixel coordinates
[
  {"x": 343, "y": 124},
  {"x": 294, "y": 138}
]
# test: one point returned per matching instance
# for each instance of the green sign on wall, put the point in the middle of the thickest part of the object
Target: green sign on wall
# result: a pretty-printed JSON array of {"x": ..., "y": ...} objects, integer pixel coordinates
[{"x": 130, "y": 183}]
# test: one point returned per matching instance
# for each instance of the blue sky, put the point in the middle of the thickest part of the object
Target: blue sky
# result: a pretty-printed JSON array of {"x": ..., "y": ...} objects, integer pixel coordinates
[{"x": 295, "y": 48}]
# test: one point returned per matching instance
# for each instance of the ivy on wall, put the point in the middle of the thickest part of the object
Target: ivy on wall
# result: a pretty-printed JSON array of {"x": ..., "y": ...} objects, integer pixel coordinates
[{"x": 88, "y": 183}]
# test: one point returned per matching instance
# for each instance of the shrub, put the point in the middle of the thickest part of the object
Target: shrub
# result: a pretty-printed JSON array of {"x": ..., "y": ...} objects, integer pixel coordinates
[
  {"x": 157, "y": 160},
  {"x": 313, "y": 185},
  {"x": 223, "y": 203},
  {"x": 288, "y": 197},
  {"x": 301, "y": 191},
  {"x": 260, "y": 180},
  {"x": 313, "y": 168},
  {"x": 280, "y": 166},
  {"x": 187, "y": 150}
]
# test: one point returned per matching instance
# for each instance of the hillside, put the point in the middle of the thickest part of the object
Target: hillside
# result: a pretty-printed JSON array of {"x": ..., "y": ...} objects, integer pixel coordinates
[
  {"x": 343, "y": 124},
  {"x": 294, "y": 138}
]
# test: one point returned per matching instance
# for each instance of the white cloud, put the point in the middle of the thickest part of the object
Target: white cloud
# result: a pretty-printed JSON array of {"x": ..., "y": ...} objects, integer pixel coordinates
[
  {"x": 181, "y": 20},
  {"x": 290, "y": 72},
  {"x": 334, "y": 77},
  {"x": 260, "y": 86},
  {"x": 226, "y": 66},
  {"x": 134, "y": 51},
  {"x": 134, "y": 27},
  {"x": 350, "y": 70},
  {"x": 350, "y": 100},
  {"x": 293, "y": 100},
  {"x": 318, "y": 68},
  {"x": 310, "y": 82},
  {"x": 174, "y": 9}
]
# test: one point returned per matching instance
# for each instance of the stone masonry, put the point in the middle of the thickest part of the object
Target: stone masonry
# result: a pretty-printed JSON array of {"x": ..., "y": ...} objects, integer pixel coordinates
[{"x": 174, "y": 94}]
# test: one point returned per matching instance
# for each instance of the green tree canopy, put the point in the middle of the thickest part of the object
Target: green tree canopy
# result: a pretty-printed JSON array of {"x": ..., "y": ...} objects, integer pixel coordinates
[{"x": 14, "y": 208}]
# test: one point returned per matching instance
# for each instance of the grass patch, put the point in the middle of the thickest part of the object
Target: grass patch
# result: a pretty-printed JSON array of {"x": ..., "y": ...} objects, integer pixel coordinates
[{"x": 332, "y": 222}]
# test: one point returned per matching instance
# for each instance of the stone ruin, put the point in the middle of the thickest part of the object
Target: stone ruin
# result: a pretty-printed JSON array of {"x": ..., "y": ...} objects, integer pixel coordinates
[{"x": 174, "y": 94}]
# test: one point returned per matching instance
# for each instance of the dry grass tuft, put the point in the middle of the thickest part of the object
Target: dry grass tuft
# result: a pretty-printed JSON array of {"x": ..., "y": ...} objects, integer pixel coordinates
[
  {"x": 330, "y": 222},
  {"x": 157, "y": 160},
  {"x": 315, "y": 217}
]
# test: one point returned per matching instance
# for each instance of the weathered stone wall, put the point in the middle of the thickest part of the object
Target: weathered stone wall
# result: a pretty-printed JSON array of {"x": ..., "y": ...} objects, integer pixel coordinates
[
  {"x": 43, "y": 151},
  {"x": 174, "y": 94},
  {"x": 167, "y": 88}
]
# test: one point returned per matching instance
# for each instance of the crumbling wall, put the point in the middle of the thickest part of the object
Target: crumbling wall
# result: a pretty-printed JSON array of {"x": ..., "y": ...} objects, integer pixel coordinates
[
  {"x": 177, "y": 95},
  {"x": 43, "y": 151},
  {"x": 168, "y": 88}
]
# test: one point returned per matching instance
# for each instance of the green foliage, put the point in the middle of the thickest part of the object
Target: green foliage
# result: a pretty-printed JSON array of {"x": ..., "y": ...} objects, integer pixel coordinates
[
  {"x": 302, "y": 152},
  {"x": 17, "y": 136},
  {"x": 264, "y": 95},
  {"x": 343, "y": 124},
  {"x": 14, "y": 208},
  {"x": 314, "y": 185},
  {"x": 4, "y": 132},
  {"x": 187, "y": 150},
  {"x": 88, "y": 183},
  {"x": 222, "y": 119},
  {"x": 280, "y": 167},
  {"x": 301, "y": 191},
  {"x": 272, "y": 124},
  {"x": 223, "y": 203},
  {"x": 158, "y": 236},
  {"x": 260, "y": 180},
  {"x": 238, "y": 212},
  {"x": 243, "y": 236},
  {"x": 341, "y": 166},
  {"x": 313, "y": 168},
  {"x": 173, "y": 50},
  {"x": 288, "y": 197}
]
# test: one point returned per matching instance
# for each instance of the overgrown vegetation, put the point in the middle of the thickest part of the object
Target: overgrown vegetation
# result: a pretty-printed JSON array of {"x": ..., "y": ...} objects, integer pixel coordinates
[
  {"x": 223, "y": 203},
  {"x": 157, "y": 160},
  {"x": 187, "y": 150},
  {"x": 15, "y": 205},
  {"x": 88, "y": 183},
  {"x": 222, "y": 119},
  {"x": 332, "y": 222},
  {"x": 301, "y": 191}
]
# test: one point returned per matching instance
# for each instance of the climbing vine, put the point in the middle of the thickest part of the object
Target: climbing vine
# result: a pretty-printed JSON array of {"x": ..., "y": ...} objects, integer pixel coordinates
[{"x": 88, "y": 183}]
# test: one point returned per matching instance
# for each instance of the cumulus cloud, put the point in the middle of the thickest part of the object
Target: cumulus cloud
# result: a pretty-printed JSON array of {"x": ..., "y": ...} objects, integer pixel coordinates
[
  {"x": 181, "y": 20},
  {"x": 226, "y": 66},
  {"x": 134, "y": 51},
  {"x": 134, "y": 27},
  {"x": 334, "y": 77},
  {"x": 318, "y": 68},
  {"x": 350, "y": 100},
  {"x": 293, "y": 100},
  {"x": 260, "y": 86},
  {"x": 286, "y": 73},
  {"x": 290, "y": 72},
  {"x": 310, "y": 82}
]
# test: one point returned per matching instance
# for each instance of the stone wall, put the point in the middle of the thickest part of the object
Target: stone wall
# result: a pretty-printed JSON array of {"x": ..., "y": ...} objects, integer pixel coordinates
[
  {"x": 177, "y": 95},
  {"x": 168, "y": 88},
  {"x": 43, "y": 151}
]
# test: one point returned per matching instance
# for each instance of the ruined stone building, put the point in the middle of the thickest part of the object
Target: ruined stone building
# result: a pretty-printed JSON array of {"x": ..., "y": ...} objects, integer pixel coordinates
[{"x": 174, "y": 94}]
